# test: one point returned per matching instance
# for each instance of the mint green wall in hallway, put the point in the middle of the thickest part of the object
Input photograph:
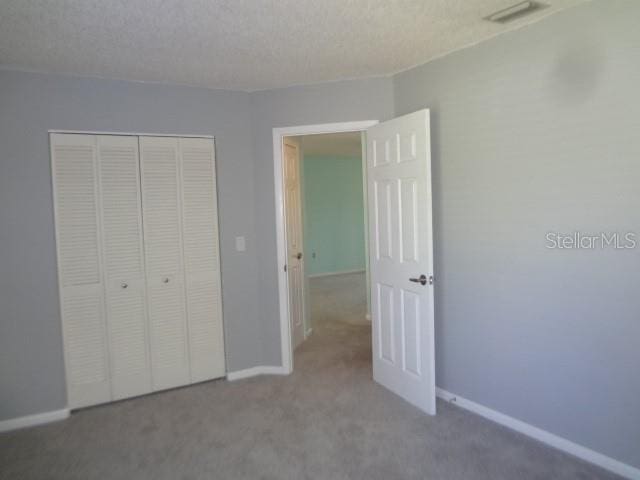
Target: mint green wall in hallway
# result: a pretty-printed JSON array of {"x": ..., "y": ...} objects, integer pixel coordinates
[{"x": 333, "y": 214}]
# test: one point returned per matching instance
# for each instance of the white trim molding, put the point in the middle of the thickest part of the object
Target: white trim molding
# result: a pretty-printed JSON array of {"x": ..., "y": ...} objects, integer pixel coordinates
[
  {"x": 330, "y": 274},
  {"x": 128, "y": 134},
  {"x": 584, "y": 453},
  {"x": 255, "y": 371},
  {"x": 286, "y": 351},
  {"x": 33, "y": 420}
]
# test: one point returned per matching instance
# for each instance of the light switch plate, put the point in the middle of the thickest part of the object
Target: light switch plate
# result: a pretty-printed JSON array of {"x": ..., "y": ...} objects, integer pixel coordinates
[{"x": 241, "y": 244}]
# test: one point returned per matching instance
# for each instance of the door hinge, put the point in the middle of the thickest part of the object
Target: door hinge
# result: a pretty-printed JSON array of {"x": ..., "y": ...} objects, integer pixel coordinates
[{"x": 285, "y": 268}]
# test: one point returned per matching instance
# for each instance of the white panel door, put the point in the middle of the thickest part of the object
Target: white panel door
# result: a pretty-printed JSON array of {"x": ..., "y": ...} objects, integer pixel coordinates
[
  {"x": 293, "y": 218},
  {"x": 80, "y": 280},
  {"x": 401, "y": 257},
  {"x": 161, "y": 213},
  {"x": 201, "y": 258},
  {"x": 124, "y": 265}
]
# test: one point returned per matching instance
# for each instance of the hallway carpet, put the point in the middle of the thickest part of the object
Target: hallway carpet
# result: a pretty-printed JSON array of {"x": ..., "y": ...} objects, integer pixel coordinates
[{"x": 328, "y": 420}]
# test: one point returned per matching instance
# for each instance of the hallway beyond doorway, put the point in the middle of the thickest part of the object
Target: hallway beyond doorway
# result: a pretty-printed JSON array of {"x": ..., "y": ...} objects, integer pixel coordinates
[{"x": 338, "y": 299}]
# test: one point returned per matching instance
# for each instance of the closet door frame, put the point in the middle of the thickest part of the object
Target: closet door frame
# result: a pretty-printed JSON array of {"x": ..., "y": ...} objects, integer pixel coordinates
[{"x": 127, "y": 134}]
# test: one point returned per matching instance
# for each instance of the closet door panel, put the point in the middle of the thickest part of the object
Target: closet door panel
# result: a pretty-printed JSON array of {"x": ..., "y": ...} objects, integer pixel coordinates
[
  {"x": 124, "y": 265},
  {"x": 80, "y": 280},
  {"x": 205, "y": 329},
  {"x": 201, "y": 254},
  {"x": 170, "y": 361},
  {"x": 159, "y": 162}
]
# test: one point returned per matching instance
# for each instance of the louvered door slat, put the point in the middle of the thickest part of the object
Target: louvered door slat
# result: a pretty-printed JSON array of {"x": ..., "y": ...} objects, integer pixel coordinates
[
  {"x": 159, "y": 163},
  {"x": 79, "y": 268},
  {"x": 202, "y": 266},
  {"x": 124, "y": 265}
]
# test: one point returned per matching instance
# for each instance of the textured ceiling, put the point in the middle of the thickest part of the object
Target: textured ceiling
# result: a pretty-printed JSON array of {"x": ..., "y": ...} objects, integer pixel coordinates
[
  {"x": 242, "y": 44},
  {"x": 346, "y": 144}
]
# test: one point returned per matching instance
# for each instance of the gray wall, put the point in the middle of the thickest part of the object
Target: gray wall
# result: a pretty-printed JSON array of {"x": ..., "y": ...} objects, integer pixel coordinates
[
  {"x": 539, "y": 131},
  {"x": 31, "y": 359},
  {"x": 331, "y": 102}
]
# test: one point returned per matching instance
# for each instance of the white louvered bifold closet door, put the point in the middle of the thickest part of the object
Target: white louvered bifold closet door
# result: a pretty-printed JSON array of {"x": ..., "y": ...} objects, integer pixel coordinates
[
  {"x": 159, "y": 162},
  {"x": 75, "y": 182},
  {"x": 201, "y": 258},
  {"x": 124, "y": 265},
  {"x": 138, "y": 262}
]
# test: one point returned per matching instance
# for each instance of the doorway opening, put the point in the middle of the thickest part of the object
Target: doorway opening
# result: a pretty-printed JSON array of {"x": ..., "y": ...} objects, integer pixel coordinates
[
  {"x": 326, "y": 242},
  {"x": 296, "y": 322}
]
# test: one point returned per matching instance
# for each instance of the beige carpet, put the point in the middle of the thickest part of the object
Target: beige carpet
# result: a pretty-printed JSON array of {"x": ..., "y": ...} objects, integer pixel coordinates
[{"x": 328, "y": 420}]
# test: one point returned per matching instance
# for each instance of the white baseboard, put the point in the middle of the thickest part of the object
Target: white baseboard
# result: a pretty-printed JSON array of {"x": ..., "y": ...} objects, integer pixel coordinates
[
  {"x": 329, "y": 274},
  {"x": 33, "y": 420},
  {"x": 543, "y": 436},
  {"x": 259, "y": 370}
]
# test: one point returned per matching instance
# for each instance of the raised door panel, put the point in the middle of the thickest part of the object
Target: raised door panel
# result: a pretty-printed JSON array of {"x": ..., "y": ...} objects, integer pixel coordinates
[
  {"x": 201, "y": 258},
  {"x": 124, "y": 265},
  {"x": 79, "y": 268},
  {"x": 160, "y": 173}
]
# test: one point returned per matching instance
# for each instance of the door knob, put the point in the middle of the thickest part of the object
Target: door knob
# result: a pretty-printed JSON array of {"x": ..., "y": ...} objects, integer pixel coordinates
[
  {"x": 165, "y": 280},
  {"x": 299, "y": 256},
  {"x": 124, "y": 285},
  {"x": 422, "y": 280}
]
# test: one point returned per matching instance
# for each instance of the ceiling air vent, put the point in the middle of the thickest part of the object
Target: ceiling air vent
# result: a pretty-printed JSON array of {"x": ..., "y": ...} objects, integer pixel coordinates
[{"x": 515, "y": 12}]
